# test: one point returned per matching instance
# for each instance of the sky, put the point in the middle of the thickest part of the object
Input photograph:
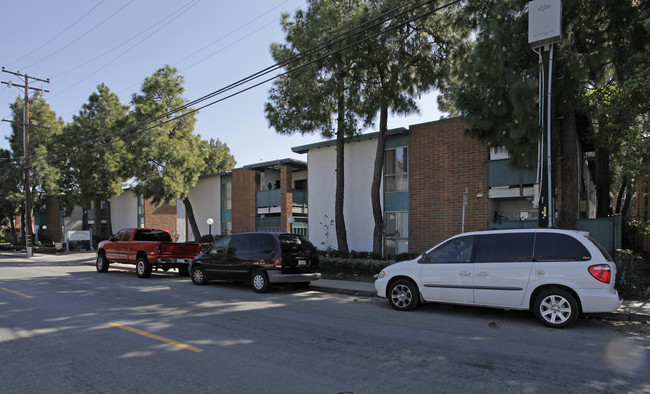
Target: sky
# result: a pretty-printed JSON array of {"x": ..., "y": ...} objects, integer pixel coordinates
[{"x": 81, "y": 44}]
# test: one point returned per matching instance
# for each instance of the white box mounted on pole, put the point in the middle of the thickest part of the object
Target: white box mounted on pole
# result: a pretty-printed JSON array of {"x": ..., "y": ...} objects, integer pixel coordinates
[{"x": 544, "y": 22}]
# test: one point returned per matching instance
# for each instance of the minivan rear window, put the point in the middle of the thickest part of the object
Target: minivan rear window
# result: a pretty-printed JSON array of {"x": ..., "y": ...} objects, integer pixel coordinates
[
  {"x": 261, "y": 243},
  {"x": 559, "y": 247},
  {"x": 504, "y": 248},
  {"x": 295, "y": 244}
]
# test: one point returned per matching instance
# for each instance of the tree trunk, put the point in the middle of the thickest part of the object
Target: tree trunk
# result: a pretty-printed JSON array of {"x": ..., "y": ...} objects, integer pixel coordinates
[
  {"x": 14, "y": 236},
  {"x": 84, "y": 218},
  {"x": 569, "y": 173},
  {"x": 109, "y": 222},
  {"x": 629, "y": 192},
  {"x": 602, "y": 182},
  {"x": 339, "y": 216},
  {"x": 190, "y": 217},
  {"x": 375, "y": 196},
  {"x": 621, "y": 192},
  {"x": 97, "y": 217}
]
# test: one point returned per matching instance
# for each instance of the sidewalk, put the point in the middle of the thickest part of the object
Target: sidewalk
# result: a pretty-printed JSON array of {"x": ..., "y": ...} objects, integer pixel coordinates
[{"x": 629, "y": 311}]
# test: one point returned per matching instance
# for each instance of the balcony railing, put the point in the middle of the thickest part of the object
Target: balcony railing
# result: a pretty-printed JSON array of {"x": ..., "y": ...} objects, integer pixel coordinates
[
  {"x": 500, "y": 173},
  {"x": 271, "y": 198}
]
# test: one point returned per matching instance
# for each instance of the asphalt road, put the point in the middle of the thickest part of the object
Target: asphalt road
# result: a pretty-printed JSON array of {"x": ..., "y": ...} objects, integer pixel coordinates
[{"x": 65, "y": 328}]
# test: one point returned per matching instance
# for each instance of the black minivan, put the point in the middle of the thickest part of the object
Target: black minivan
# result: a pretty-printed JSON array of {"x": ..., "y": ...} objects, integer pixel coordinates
[{"x": 261, "y": 259}]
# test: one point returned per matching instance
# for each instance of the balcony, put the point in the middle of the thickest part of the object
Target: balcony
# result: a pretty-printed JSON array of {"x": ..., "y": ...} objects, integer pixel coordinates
[
  {"x": 505, "y": 181},
  {"x": 268, "y": 201}
]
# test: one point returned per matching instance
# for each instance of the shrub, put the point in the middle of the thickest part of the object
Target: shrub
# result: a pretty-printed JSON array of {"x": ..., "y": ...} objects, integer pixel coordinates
[
  {"x": 626, "y": 282},
  {"x": 363, "y": 267}
]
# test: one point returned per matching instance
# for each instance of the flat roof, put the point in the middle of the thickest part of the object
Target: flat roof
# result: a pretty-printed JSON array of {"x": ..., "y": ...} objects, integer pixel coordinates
[
  {"x": 358, "y": 137},
  {"x": 296, "y": 165}
]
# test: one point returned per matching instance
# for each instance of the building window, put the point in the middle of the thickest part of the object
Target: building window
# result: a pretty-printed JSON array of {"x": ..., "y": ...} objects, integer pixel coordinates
[
  {"x": 397, "y": 233},
  {"x": 396, "y": 177},
  {"x": 226, "y": 195},
  {"x": 226, "y": 228}
]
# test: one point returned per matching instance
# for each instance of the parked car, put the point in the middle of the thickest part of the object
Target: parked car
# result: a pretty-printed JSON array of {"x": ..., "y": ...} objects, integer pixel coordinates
[
  {"x": 555, "y": 273},
  {"x": 262, "y": 259},
  {"x": 147, "y": 248}
]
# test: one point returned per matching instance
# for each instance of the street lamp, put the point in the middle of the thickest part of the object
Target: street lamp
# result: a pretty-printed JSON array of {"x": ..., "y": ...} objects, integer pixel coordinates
[{"x": 210, "y": 221}]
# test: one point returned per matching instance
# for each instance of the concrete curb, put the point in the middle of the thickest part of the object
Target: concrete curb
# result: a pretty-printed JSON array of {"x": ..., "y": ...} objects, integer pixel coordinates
[{"x": 630, "y": 310}]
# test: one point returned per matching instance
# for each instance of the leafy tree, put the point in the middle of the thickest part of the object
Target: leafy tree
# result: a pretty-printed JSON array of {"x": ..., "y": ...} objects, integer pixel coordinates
[
  {"x": 495, "y": 83},
  {"x": 44, "y": 136},
  {"x": 11, "y": 200},
  {"x": 406, "y": 59},
  {"x": 167, "y": 157},
  {"x": 218, "y": 157},
  {"x": 319, "y": 93},
  {"x": 97, "y": 172}
]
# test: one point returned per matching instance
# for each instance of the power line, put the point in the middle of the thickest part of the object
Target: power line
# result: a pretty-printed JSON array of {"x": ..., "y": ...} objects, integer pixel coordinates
[
  {"x": 126, "y": 51},
  {"x": 81, "y": 36},
  {"x": 129, "y": 40},
  {"x": 138, "y": 129},
  {"x": 57, "y": 36},
  {"x": 337, "y": 39}
]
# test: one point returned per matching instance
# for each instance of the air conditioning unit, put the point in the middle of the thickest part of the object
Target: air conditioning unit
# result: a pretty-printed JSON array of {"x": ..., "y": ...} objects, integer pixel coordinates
[{"x": 531, "y": 214}]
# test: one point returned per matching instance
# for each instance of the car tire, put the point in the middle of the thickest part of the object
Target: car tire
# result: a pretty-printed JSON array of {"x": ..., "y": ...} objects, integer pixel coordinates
[
  {"x": 260, "y": 282},
  {"x": 101, "y": 264},
  {"x": 556, "y": 308},
  {"x": 183, "y": 271},
  {"x": 301, "y": 285},
  {"x": 198, "y": 276},
  {"x": 403, "y": 295},
  {"x": 142, "y": 267}
]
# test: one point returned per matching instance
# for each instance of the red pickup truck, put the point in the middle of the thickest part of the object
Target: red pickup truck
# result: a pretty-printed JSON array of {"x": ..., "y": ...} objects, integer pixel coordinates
[{"x": 146, "y": 248}]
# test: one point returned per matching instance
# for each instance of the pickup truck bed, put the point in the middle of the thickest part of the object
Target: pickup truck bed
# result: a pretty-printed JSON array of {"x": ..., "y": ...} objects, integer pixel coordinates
[{"x": 148, "y": 249}]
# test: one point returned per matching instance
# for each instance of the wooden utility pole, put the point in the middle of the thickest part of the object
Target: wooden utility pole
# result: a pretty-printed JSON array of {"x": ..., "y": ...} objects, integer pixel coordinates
[{"x": 28, "y": 202}]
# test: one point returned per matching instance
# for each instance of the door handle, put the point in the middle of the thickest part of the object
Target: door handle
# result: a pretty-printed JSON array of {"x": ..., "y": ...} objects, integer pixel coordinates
[
  {"x": 464, "y": 273},
  {"x": 482, "y": 274}
]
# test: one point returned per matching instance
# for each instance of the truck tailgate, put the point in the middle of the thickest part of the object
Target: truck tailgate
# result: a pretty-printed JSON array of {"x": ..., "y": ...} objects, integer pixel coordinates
[{"x": 185, "y": 250}]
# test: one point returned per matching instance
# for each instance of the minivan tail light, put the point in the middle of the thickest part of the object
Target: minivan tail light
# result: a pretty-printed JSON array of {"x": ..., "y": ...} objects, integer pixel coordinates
[
  {"x": 277, "y": 263},
  {"x": 602, "y": 272}
]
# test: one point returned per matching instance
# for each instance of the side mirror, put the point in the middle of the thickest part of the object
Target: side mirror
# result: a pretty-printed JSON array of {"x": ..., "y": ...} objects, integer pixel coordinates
[
  {"x": 424, "y": 259},
  {"x": 112, "y": 238}
]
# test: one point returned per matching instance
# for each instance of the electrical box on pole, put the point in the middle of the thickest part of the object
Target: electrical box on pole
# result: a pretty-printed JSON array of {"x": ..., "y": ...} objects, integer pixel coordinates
[
  {"x": 545, "y": 30},
  {"x": 544, "y": 22}
]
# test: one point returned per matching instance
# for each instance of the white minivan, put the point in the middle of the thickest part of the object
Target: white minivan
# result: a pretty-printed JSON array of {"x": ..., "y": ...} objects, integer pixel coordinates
[{"x": 557, "y": 274}]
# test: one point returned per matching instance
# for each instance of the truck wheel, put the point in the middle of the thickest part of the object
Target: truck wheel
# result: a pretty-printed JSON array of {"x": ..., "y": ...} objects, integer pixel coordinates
[
  {"x": 183, "y": 271},
  {"x": 101, "y": 264},
  {"x": 198, "y": 276},
  {"x": 142, "y": 267},
  {"x": 260, "y": 282}
]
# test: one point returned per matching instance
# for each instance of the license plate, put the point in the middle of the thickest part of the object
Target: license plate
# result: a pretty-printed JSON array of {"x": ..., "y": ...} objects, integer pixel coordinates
[{"x": 302, "y": 262}]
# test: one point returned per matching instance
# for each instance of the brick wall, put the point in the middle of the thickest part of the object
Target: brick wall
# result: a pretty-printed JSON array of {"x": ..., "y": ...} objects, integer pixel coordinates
[
  {"x": 286, "y": 197},
  {"x": 442, "y": 164},
  {"x": 245, "y": 184},
  {"x": 162, "y": 217}
]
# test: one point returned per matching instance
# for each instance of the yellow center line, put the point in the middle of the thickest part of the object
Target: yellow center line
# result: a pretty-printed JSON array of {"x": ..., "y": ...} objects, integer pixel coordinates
[
  {"x": 159, "y": 338},
  {"x": 17, "y": 293}
]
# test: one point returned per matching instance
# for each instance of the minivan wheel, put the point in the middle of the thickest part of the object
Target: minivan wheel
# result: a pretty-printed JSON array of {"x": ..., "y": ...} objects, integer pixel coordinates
[
  {"x": 101, "y": 264},
  {"x": 142, "y": 267},
  {"x": 403, "y": 295},
  {"x": 198, "y": 276},
  {"x": 556, "y": 308},
  {"x": 260, "y": 282}
]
